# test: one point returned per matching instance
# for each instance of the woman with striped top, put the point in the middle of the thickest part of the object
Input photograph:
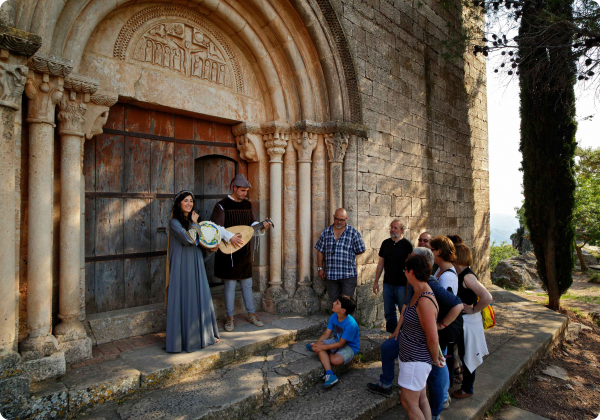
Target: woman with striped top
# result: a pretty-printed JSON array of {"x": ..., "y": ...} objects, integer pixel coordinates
[{"x": 419, "y": 344}]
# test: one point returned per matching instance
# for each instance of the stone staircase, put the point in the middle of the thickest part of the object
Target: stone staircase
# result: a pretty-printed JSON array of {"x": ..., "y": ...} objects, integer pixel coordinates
[{"x": 249, "y": 369}]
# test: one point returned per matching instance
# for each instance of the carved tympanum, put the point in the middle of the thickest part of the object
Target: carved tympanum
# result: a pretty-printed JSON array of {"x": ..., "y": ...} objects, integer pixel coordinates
[
  {"x": 179, "y": 39},
  {"x": 183, "y": 49}
]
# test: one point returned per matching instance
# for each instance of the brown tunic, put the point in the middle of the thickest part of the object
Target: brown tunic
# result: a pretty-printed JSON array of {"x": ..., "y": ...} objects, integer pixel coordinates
[{"x": 227, "y": 213}]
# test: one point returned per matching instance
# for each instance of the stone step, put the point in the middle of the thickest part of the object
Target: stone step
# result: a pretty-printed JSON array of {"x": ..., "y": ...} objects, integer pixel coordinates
[
  {"x": 349, "y": 399},
  {"x": 140, "y": 370},
  {"x": 240, "y": 390}
]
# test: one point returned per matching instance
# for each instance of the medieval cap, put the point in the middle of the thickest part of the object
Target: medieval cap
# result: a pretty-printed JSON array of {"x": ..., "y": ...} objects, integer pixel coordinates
[{"x": 240, "y": 181}]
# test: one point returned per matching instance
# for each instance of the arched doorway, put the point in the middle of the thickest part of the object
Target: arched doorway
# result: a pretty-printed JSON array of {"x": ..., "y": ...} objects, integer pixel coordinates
[{"x": 132, "y": 172}]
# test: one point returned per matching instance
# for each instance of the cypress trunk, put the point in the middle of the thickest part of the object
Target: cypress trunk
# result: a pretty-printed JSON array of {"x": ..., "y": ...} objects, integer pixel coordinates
[{"x": 547, "y": 77}]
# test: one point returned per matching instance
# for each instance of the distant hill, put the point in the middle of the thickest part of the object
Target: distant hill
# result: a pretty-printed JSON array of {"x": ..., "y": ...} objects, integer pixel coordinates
[{"x": 502, "y": 226}]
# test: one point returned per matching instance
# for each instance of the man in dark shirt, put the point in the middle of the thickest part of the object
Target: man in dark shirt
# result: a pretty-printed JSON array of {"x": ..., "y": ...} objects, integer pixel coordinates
[{"x": 392, "y": 256}]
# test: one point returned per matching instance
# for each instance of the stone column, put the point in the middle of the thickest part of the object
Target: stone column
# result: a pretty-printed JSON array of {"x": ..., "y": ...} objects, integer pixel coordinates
[
  {"x": 350, "y": 186},
  {"x": 12, "y": 83},
  {"x": 305, "y": 300},
  {"x": 44, "y": 89},
  {"x": 15, "y": 47},
  {"x": 319, "y": 209},
  {"x": 336, "y": 148},
  {"x": 275, "y": 299},
  {"x": 76, "y": 118},
  {"x": 290, "y": 226}
]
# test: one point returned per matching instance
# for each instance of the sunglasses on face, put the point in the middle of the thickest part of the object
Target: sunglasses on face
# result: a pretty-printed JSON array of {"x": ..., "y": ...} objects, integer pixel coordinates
[
  {"x": 338, "y": 219},
  {"x": 424, "y": 240}
]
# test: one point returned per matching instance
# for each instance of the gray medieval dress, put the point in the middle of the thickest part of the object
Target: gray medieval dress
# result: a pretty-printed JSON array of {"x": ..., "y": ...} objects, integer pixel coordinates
[{"x": 191, "y": 319}]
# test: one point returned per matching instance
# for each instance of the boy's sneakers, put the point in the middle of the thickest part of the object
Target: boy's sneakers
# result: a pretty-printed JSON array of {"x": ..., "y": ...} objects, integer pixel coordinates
[
  {"x": 447, "y": 402},
  {"x": 378, "y": 389},
  {"x": 330, "y": 380}
]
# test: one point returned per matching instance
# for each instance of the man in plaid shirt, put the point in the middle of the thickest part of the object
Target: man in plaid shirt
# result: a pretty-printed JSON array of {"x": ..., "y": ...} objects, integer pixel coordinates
[{"x": 337, "y": 248}]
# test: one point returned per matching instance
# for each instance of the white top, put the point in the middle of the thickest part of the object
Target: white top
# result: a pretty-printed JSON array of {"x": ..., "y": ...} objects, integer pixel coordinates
[{"x": 448, "y": 279}]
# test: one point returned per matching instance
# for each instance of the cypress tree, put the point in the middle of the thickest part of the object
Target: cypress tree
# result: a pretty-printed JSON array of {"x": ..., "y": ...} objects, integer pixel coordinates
[{"x": 547, "y": 77}]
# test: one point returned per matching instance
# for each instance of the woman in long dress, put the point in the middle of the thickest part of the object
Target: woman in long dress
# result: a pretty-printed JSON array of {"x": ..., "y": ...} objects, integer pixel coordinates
[{"x": 191, "y": 319}]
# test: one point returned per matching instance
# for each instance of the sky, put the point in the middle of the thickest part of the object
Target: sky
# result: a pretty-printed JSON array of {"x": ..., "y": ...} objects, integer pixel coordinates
[{"x": 503, "y": 132}]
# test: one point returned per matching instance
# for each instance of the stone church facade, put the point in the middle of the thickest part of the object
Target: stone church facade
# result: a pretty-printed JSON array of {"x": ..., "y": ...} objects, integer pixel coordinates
[{"x": 110, "y": 107}]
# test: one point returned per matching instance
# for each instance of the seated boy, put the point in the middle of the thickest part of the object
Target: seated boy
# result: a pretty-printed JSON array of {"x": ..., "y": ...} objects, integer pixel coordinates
[{"x": 340, "y": 349}]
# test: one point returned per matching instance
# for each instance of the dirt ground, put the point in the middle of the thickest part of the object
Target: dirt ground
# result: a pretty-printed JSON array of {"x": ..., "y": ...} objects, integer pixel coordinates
[{"x": 578, "y": 397}]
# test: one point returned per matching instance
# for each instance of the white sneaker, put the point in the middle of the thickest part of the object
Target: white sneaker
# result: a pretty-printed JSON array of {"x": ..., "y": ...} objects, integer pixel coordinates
[
  {"x": 229, "y": 324},
  {"x": 447, "y": 402}
]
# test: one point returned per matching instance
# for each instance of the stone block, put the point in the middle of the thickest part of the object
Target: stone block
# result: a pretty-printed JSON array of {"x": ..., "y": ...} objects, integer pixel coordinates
[
  {"x": 45, "y": 368},
  {"x": 125, "y": 323},
  {"x": 248, "y": 339},
  {"x": 380, "y": 204},
  {"x": 90, "y": 385},
  {"x": 369, "y": 182},
  {"x": 402, "y": 206},
  {"x": 377, "y": 165},
  {"x": 14, "y": 387},
  {"x": 76, "y": 350},
  {"x": 303, "y": 327},
  {"x": 305, "y": 302}
]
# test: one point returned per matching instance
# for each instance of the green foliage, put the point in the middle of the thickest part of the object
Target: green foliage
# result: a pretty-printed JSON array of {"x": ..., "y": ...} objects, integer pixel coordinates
[
  {"x": 501, "y": 252},
  {"x": 506, "y": 398},
  {"x": 594, "y": 279},
  {"x": 587, "y": 197},
  {"x": 583, "y": 298},
  {"x": 548, "y": 143}
]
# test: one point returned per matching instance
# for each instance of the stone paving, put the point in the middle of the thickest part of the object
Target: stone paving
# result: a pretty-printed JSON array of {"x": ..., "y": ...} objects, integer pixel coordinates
[{"x": 267, "y": 372}]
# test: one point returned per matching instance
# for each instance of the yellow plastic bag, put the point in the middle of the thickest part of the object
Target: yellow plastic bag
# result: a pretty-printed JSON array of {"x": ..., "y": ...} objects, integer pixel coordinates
[{"x": 488, "y": 317}]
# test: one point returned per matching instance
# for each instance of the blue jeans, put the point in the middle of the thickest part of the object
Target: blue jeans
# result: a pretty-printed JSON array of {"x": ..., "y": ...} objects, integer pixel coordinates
[
  {"x": 392, "y": 296},
  {"x": 246, "y": 294},
  {"x": 389, "y": 354},
  {"x": 438, "y": 383}
]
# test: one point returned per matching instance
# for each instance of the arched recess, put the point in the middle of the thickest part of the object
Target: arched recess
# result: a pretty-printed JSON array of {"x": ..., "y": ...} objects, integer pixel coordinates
[{"x": 296, "y": 48}]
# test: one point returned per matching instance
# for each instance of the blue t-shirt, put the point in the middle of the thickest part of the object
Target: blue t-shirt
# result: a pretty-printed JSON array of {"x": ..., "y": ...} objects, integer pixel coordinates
[{"x": 347, "y": 329}]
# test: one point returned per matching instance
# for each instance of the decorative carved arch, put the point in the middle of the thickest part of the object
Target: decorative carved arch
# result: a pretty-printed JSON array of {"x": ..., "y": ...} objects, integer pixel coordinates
[{"x": 138, "y": 20}]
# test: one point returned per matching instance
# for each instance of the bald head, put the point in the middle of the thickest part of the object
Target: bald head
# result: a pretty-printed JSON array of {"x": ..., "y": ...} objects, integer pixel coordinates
[{"x": 339, "y": 218}]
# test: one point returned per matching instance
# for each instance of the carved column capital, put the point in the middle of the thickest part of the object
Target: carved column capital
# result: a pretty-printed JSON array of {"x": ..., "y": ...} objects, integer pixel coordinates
[
  {"x": 304, "y": 143},
  {"x": 275, "y": 144},
  {"x": 18, "y": 41},
  {"x": 12, "y": 83},
  {"x": 50, "y": 65},
  {"x": 71, "y": 115},
  {"x": 44, "y": 92},
  {"x": 336, "y": 146},
  {"x": 83, "y": 114},
  {"x": 246, "y": 148}
]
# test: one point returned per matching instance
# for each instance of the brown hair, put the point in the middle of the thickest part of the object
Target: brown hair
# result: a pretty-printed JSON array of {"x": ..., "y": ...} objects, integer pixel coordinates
[
  {"x": 455, "y": 239},
  {"x": 463, "y": 255},
  {"x": 445, "y": 246},
  {"x": 419, "y": 264}
]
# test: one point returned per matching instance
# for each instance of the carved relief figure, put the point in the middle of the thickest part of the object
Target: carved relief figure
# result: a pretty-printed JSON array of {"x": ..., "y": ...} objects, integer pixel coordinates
[{"x": 185, "y": 49}]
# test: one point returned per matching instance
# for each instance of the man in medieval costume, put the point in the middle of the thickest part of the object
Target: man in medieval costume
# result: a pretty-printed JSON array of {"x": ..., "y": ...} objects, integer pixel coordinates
[{"x": 235, "y": 210}]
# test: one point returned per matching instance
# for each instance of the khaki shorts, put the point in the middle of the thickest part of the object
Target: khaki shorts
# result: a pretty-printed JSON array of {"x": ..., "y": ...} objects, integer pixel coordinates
[{"x": 346, "y": 352}]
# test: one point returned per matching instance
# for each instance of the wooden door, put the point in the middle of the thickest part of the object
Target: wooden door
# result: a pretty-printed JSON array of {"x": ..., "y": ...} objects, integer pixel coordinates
[
  {"x": 132, "y": 172},
  {"x": 213, "y": 175}
]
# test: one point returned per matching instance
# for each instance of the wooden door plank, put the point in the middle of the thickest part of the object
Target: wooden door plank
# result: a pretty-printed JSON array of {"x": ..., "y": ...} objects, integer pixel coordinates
[
  {"x": 109, "y": 226},
  {"x": 161, "y": 215},
  {"x": 162, "y": 123},
  {"x": 137, "y": 119},
  {"x": 184, "y": 167},
  {"x": 109, "y": 162},
  {"x": 204, "y": 130},
  {"x": 213, "y": 175},
  {"x": 137, "y": 224},
  {"x": 116, "y": 117},
  {"x": 223, "y": 133},
  {"x": 90, "y": 227},
  {"x": 184, "y": 127},
  {"x": 158, "y": 266},
  {"x": 161, "y": 169},
  {"x": 109, "y": 285},
  {"x": 137, "y": 165},
  {"x": 89, "y": 164},
  {"x": 137, "y": 282},
  {"x": 90, "y": 288}
]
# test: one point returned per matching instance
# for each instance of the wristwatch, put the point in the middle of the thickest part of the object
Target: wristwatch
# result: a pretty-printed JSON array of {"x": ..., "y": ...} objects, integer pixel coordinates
[{"x": 319, "y": 268}]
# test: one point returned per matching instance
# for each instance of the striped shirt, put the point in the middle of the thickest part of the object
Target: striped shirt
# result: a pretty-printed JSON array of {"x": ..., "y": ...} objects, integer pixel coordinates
[{"x": 413, "y": 342}]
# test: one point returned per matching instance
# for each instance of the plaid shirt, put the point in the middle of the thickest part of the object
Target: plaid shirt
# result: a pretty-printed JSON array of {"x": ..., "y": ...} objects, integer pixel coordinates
[{"x": 340, "y": 256}]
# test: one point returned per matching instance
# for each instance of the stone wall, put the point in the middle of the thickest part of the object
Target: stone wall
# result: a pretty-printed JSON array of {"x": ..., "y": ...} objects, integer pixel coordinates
[{"x": 426, "y": 158}]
